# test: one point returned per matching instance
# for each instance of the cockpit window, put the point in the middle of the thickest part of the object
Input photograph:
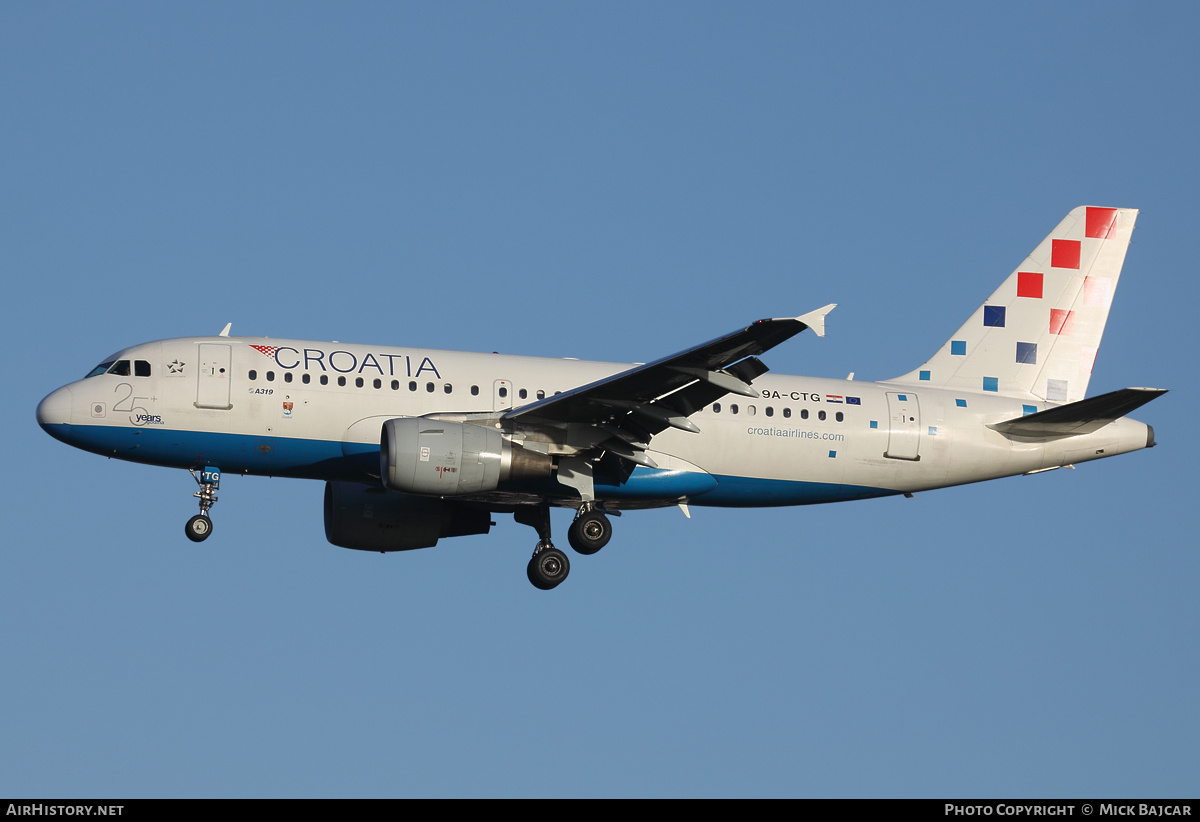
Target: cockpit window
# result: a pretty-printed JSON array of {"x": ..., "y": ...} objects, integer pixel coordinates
[
  {"x": 120, "y": 368},
  {"x": 141, "y": 368},
  {"x": 100, "y": 369}
]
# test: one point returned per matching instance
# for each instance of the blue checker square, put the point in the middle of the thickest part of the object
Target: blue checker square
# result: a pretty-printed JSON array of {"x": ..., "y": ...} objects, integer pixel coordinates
[
  {"x": 993, "y": 315},
  {"x": 961, "y": 403},
  {"x": 1026, "y": 410},
  {"x": 991, "y": 384},
  {"x": 933, "y": 430},
  {"x": 832, "y": 454},
  {"x": 1027, "y": 353},
  {"x": 958, "y": 348},
  {"x": 903, "y": 397},
  {"x": 924, "y": 375},
  {"x": 874, "y": 423}
]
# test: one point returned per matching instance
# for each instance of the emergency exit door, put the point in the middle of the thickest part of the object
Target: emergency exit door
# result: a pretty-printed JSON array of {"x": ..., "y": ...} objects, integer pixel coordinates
[
  {"x": 502, "y": 395},
  {"x": 904, "y": 428},
  {"x": 213, "y": 376}
]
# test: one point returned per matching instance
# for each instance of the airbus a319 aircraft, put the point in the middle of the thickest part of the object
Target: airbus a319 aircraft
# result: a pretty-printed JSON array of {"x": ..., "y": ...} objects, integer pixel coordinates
[{"x": 416, "y": 445}]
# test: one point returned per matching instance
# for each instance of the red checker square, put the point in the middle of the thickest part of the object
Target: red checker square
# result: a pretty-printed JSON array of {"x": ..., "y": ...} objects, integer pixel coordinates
[
  {"x": 1100, "y": 222},
  {"x": 1065, "y": 254},
  {"x": 1062, "y": 322},
  {"x": 1029, "y": 284},
  {"x": 1096, "y": 290}
]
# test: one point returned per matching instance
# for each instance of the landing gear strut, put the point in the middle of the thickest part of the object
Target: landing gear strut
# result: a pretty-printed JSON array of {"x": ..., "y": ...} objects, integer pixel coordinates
[
  {"x": 199, "y": 527},
  {"x": 548, "y": 566},
  {"x": 590, "y": 531}
]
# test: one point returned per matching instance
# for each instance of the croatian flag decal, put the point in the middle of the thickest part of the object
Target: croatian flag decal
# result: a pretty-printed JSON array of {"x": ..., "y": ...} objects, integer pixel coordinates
[
  {"x": 265, "y": 350},
  {"x": 833, "y": 398}
]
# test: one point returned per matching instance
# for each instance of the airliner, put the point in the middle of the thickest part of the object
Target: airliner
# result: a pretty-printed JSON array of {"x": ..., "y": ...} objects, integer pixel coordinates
[{"x": 417, "y": 445}]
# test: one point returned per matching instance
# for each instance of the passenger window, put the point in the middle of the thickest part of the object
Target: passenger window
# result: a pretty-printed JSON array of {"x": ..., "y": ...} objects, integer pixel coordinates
[
  {"x": 253, "y": 375},
  {"x": 716, "y": 408},
  {"x": 412, "y": 386},
  {"x": 287, "y": 376},
  {"x": 474, "y": 390},
  {"x": 541, "y": 395},
  {"x": 821, "y": 415},
  {"x": 305, "y": 378},
  {"x": 803, "y": 413},
  {"x": 787, "y": 413},
  {"x": 449, "y": 388},
  {"x": 342, "y": 381},
  {"x": 840, "y": 416},
  {"x": 733, "y": 409},
  {"x": 270, "y": 376},
  {"x": 770, "y": 411},
  {"x": 750, "y": 410},
  {"x": 324, "y": 379},
  {"x": 430, "y": 387},
  {"x": 522, "y": 393},
  {"x": 378, "y": 383},
  {"x": 395, "y": 385},
  {"x": 141, "y": 368},
  {"x": 503, "y": 393},
  {"x": 120, "y": 368}
]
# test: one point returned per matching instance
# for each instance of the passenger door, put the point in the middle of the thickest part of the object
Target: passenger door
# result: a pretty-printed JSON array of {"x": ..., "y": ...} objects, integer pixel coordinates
[
  {"x": 904, "y": 428},
  {"x": 212, "y": 381}
]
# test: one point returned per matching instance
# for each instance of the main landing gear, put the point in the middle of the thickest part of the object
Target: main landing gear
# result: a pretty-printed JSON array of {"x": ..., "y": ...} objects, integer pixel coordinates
[
  {"x": 548, "y": 566},
  {"x": 590, "y": 531},
  {"x": 200, "y": 526}
]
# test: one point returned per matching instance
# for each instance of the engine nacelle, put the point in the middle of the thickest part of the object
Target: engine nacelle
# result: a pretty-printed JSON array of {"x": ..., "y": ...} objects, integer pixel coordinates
[
  {"x": 449, "y": 459},
  {"x": 368, "y": 518}
]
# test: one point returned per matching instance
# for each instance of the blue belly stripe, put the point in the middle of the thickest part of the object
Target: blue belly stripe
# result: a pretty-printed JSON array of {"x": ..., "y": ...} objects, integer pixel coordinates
[{"x": 330, "y": 460}]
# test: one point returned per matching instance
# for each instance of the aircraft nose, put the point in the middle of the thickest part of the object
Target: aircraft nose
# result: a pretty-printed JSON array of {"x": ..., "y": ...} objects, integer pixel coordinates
[{"x": 55, "y": 409}]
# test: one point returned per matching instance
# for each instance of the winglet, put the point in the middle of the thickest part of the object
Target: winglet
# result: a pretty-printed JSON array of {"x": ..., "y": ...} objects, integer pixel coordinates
[
  {"x": 225, "y": 330},
  {"x": 816, "y": 319}
]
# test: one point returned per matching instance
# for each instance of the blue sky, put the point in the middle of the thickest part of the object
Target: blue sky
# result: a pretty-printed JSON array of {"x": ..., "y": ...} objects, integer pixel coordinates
[{"x": 607, "y": 181}]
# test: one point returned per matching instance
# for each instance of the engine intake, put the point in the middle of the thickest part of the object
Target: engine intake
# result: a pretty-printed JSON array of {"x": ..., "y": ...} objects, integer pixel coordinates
[
  {"x": 368, "y": 518},
  {"x": 448, "y": 459}
]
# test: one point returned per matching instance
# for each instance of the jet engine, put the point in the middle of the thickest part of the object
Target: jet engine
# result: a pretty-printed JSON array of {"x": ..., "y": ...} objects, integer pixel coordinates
[
  {"x": 448, "y": 459},
  {"x": 369, "y": 518}
]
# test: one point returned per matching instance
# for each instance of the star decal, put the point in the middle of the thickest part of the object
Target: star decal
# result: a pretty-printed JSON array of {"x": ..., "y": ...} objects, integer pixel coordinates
[{"x": 175, "y": 367}]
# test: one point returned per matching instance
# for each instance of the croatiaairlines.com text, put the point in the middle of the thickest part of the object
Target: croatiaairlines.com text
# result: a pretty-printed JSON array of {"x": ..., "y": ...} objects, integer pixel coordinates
[{"x": 795, "y": 432}]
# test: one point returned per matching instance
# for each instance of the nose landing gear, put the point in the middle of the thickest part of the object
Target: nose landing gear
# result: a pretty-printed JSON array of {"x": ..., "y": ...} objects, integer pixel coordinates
[{"x": 200, "y": 526}]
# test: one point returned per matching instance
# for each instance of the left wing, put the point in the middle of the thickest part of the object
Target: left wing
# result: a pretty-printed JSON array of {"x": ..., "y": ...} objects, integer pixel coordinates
[{"x": 636, "y": 404}]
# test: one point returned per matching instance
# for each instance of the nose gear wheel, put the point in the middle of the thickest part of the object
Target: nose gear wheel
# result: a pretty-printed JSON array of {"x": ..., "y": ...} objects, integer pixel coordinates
[{"x": 198, "y": 528}]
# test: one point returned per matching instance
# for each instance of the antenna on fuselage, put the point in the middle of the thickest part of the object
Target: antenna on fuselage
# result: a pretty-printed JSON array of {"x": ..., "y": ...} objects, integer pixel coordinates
[{"x": 225, "y": 330}]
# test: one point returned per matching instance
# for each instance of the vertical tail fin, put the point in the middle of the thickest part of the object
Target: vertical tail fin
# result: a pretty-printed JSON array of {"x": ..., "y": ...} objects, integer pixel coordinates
[{"x": 1038, "y": 334}]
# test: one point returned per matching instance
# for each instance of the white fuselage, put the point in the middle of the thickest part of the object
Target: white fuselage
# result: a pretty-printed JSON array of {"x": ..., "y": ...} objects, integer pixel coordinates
[{"x": 314, "y": 410}]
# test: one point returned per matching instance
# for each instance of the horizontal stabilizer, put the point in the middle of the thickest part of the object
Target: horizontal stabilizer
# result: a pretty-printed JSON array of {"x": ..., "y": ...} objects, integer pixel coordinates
[{"x": 1081, "y": 417}]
